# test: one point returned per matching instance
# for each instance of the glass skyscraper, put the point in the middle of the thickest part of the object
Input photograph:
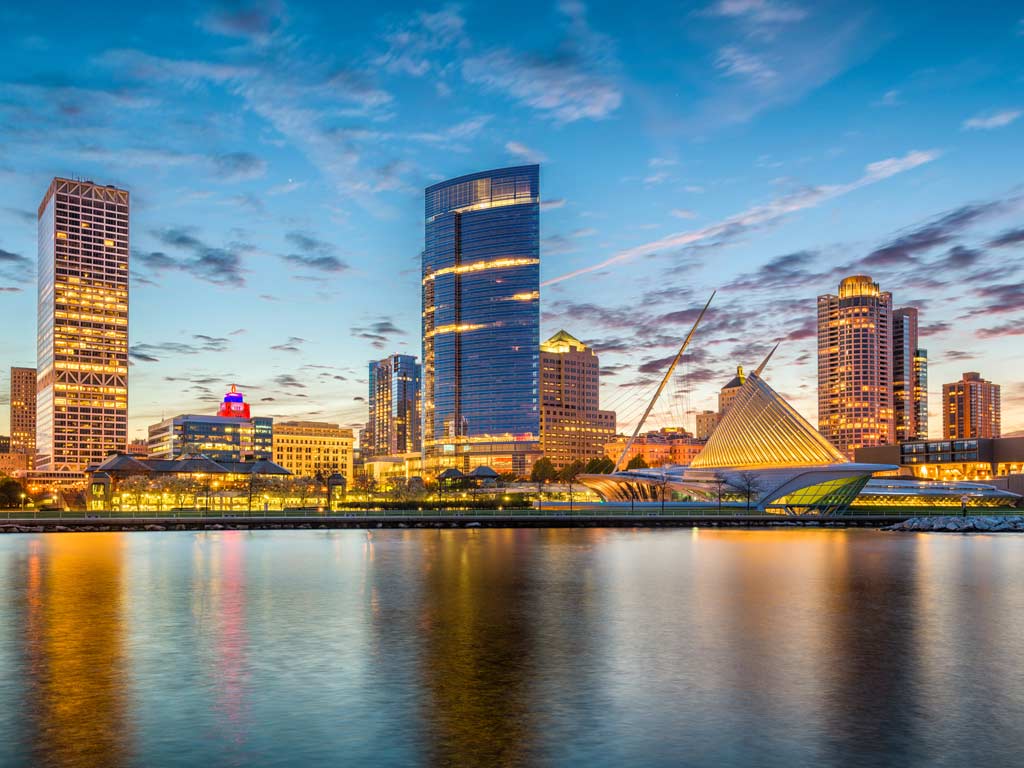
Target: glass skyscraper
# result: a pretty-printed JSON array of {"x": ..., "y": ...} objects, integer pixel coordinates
[
  {"x": 481, "y": 320},
  {"x": 394, "y": 399}
]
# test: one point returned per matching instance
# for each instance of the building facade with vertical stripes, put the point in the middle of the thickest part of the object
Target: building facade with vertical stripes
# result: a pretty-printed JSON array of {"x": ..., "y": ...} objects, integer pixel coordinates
[
  {"x": 481, "y": 321},
  {"x": 82, "y": 339}
]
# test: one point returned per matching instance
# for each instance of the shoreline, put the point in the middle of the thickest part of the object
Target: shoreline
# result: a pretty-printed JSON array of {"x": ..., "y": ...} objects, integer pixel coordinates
[{"x": 155, "y": 523}]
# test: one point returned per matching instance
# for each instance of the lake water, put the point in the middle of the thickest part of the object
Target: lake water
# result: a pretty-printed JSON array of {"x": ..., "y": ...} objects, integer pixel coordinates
[{"x": 512, "y": 647}]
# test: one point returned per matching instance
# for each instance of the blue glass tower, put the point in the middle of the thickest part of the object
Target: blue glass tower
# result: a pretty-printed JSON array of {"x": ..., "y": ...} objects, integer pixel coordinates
[{"x": 481, "y": 320}]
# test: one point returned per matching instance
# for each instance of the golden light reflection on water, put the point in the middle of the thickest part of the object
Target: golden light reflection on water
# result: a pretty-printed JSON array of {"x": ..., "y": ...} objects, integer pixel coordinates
[
  {"x": 476, "y": 638},
  {"x": 74, "y": 640},
  {"x": 511, "y": 647}
]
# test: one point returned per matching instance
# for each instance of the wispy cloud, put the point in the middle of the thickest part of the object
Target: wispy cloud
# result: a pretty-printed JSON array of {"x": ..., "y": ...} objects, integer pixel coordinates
[
  {"x": 890, "y": 98},
  {"x": 575, "y": 83},
  {"x": 294, "y": 344},
  {"x": 378, "y": 333},
  {"x": 313, "y": 253},
  {"x": 411, "y": 45},
  {"x": 526, "y": 153},
  {"x": 15, "y": 267},
  {"x": 757, "y": 11},
  {"x": 152, "y": 353},
  {"x": 990, "y": 120},
  {"x": 254, "y": 20},
  {"x": 734, "y": 62},
  {"x": 217, "y": 265},
  {"x": 763, "y": 215}
]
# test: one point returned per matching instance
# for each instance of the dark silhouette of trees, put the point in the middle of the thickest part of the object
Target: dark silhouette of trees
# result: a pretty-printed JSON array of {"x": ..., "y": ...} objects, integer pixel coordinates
[{"x": 637, "y": 462}]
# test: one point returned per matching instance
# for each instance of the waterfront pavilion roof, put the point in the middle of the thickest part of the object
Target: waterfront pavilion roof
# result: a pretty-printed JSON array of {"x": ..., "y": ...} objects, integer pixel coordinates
[
  {"x": 761, "y": 430},
  {"x": 120, "y": 463}
]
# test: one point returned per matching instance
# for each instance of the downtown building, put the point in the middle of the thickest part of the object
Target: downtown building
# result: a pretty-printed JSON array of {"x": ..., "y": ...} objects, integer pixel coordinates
[
  {"x": 663, "y": 447},
  {"x": 313, "y": 449},
  {"x": 572, "y": 425},
  {"x": 971, "y": 408},
  {"x": 82, "y": 339},
  {"x": 23, "y": 411},
  {"x": 872, "y": 375},
  {"x": 233, "y": 435},
  {"x": 481, "y": 321},
  {"x": 394, "y": 405},
  {"x": 708, "y": 420},
  {"x": 910, "y": 378}
]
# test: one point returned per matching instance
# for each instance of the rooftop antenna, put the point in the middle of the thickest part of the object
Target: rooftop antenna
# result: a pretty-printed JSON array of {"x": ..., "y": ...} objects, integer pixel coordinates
[{"x": 664, "y": 381}]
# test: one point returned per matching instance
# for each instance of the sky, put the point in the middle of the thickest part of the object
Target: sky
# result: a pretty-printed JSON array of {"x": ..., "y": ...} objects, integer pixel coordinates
[{"x": 277, "y": 152}]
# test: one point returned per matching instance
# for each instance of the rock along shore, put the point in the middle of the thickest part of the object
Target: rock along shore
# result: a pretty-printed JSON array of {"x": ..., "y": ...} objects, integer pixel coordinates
[{"x": 974, "y": 524}]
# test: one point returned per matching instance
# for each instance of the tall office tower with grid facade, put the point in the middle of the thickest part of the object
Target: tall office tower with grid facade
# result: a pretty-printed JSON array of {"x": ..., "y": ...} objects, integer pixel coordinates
[
  {"x": 23, "y": 410},
  {"x": 971, "y": 407},
  {"x": 855, "y": 366},
  {"x": 481, "y": 321},
  {"x": 910, "y": 378},
  {"x": 572, "y": 426},
  {"x": 82, "y": 340},
  {"x": 394, "y": 400}
]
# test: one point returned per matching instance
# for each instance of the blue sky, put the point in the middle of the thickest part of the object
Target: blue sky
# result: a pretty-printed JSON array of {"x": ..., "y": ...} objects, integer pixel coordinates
[{"x": 277, "y": 152}]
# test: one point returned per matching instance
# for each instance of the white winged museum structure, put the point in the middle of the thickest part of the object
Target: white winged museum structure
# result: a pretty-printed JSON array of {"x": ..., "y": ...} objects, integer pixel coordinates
[{"x": 767, "y": 455}]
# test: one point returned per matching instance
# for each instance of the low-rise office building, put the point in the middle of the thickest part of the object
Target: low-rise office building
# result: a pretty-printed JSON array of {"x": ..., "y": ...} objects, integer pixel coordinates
[
  {"x": 312, "y": 448},
  {"x": 973, "y": 459},
  {"x": 224, "y": 437}
]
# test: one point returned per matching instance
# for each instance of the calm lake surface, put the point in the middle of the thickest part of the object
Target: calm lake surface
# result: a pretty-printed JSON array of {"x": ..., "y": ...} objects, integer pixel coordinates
[{"x": 512, "y": 647}]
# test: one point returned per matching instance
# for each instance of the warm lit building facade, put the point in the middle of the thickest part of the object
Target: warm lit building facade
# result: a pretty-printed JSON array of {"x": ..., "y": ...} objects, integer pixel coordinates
[
  {"x": 855, "y": 361},
  {"x": 481, "y": 321},
  {"x": 664, "y": 446},
  {"x": 394, "y": 401},
  {"x": 311, "y": 448},
  {"x": 910, "y": 378},
  {"x": 220, "y": 438},
  {"x": 82, "y": 340},
  {"x": 971, "y": 408},
  {"x": 706, "y": 423},
  {"x": 13, "y": 462},
  {"x": 572, "y": 425},
  {"x": 23, "y": 411},
  {"x": 951, "y": 460},
  {"x": 728, "y": 393}
]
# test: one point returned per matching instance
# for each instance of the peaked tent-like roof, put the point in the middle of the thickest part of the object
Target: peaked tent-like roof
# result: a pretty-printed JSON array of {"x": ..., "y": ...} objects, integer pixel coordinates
[
  {"x": 760, "y": 430},
  {"x": 484, "y": 472},
  {"x": 258, "y": 467},
  {"x": 122, "y": 462},
  {"x": 197, "y": 463},
  {"x": 562, "y": 339}
]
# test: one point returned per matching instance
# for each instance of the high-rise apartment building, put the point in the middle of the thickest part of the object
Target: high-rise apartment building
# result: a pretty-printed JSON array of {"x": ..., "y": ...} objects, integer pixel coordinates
[
  {"x": 481, "y": 320},
  {"x": 23, "y": 410},
  {"x": 855, "y": 362},
  {"x": 394, "y": 400},
  {"x": 910, "y": 378},
  {"x": 82, "y": 340},
  {"x": 311, "y": 448},
  {"x": 572, "y": 426},
  {"x": 971, "y": 408}
]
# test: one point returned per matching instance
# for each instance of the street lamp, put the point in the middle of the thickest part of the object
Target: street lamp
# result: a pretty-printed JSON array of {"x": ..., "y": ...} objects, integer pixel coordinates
[{"x": 23, "y": 501}]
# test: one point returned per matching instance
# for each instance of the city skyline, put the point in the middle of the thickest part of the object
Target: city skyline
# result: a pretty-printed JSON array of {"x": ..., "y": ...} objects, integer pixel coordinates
[{"x": 752, "y": 202}]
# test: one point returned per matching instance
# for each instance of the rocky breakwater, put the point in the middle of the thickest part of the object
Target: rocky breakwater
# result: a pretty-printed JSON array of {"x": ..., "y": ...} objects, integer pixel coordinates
[{"x": 956, "y": 524}]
